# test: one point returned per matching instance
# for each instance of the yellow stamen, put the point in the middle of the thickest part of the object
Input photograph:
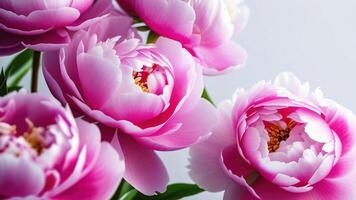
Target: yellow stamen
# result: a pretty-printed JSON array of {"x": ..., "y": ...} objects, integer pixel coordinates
[
  {"x": 34, "y": 138},
  {"x": 277, "y": 135}
]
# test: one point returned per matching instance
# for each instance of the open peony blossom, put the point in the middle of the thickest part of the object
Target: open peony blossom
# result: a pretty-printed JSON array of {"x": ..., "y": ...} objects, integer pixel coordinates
[
  {"x": 46, "y": 154},
  {"x": 151, "y": 93},
  {"x": 43, "y": 24},
  {"x": 205, "y": 28},
  {"x": 279, "y": 141}
]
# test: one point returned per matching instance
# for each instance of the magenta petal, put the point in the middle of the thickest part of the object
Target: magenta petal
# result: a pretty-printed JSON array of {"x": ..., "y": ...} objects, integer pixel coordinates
[
  {"x": 95, "y": 13},
  {"x": 49, "y": 41},
  {"x": 102, "y": 180},
  {"x": 234, "y": 192},
  {"x": 89, "y": 136},
  {"x": 326, "y": 189},
  {"x": 233, "y": 162},
  {"x": 16, "y": 173},
  {"x": 52, "y": 74},
  {"x": 11, "y": 45},
  {"x": 143, "y": 168}
]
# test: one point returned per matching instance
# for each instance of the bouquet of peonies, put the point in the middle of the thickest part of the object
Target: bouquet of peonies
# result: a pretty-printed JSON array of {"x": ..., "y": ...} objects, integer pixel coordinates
[{"x": 127, "y": 77}]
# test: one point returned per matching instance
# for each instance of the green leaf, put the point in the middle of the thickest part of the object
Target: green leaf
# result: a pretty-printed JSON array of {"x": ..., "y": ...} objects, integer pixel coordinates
[
  {"x": 13, "y": 88},
  {"x": 129, "y": 195},
  {"x": 174, "y": 192},
  {"x": 19, "y": 62},
  {"x": 3, "y": 84},
  {"x": 152, "y": 37},
  {"x": 123, "y": 188},
  {"x": 16, "y": 79},
  {"x": 206, "y": 96}
]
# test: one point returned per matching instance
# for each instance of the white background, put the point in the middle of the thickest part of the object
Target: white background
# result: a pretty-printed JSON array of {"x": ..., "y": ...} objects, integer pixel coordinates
[{"x": 315, "y": 39}]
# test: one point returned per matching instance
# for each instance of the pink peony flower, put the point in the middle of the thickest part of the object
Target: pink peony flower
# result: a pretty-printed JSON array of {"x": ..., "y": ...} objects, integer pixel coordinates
[
  {"x": 204, "y": 28},
  {"x": 46, "y": 154},
  {"x": 151, "y": 93},
  {"x": 279, "y": 141},
  {"x": 43, "y": 24}
]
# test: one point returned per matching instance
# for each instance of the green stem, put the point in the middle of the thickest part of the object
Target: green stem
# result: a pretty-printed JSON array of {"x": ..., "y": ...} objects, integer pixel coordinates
[
  {"x": 152, "y": 37},
  {"x": 35, "y": 71}
]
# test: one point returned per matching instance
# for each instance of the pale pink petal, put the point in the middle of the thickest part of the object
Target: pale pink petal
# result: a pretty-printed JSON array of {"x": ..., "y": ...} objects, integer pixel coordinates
[
  {"x": 195, "y": 126},
  {"x": 205, "y": 168},
  {"x": 143, "y": 168},
  {"x": 174, "y": 20},
  {"x": 106, "y": 75},
  {"x": 221, "y": 58}
]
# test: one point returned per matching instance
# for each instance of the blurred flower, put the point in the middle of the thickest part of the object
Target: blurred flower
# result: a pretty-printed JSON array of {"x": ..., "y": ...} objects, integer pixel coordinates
[
  {"x": 279, "y": 141},
  {"x": 44, "y": 24},
  {"x": 151, "y": 93},
  {"x": 46, "y": 154},
  {"x": 204, "y": 28}
]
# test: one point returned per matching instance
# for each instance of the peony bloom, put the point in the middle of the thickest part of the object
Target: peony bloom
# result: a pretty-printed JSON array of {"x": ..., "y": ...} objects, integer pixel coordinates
[
  {"x": 43, "y": 24},
  {"x": 150, "y": 93},
  {"x": 46, "y": 154},
  {"x": 204, "y": 28},
  {"x": 279, "y": 141}
]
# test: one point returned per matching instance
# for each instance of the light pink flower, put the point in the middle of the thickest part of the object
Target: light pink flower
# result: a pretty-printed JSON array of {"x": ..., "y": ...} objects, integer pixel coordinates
[
  {"x": 205, "y": 28},
  {"x": 279, "y": 141},
  {"x": 151, "y": 93},
  {"x": 46, "y": 154},
  {"x": 44, "y": 24}
]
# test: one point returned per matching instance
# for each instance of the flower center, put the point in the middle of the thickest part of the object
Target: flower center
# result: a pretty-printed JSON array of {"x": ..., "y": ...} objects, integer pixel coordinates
[
  {"x": 150, "y": 79},
  {"x": 277, "y": 134},
  {"x": 141, "y": 77},
  {"x": 31, "y": 142},
  {"x": 34, "y": 136}
]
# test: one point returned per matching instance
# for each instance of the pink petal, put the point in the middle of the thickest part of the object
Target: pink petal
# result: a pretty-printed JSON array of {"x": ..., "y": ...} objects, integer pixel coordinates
[
  {"x": 49, "y": 41},
  {"x": 196, "y": 125},
  {"x": 174, "y": 20},
  {"x": 96, "y": 12},
  {"x": 235, "y": 191},
  {"x": 11, "y": 45},
  {"x": 106, "y": 75},
  {"x": 105, "y": 29},
  {"x": 143, "y": 168},
  {"x": 326, "y": 189},
  {"x": 205, "y": 167},
  {"x": 102, "y": 180},
  {"x": 134, "y": 107},
  {"x": 20, "y": 177},
  {"x": 221, "y": 58},
  {"x": 52, "y": 74},
  {"x": 212, "y": 22},
  {"x": 33, "y": 24},
  {"x": 234, "y": 163}
]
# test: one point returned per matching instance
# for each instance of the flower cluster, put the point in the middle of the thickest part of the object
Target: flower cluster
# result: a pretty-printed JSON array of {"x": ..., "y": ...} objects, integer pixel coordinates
[
  {"x": 128, "y": 77},
  {"x": 276, "y": 141}
]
